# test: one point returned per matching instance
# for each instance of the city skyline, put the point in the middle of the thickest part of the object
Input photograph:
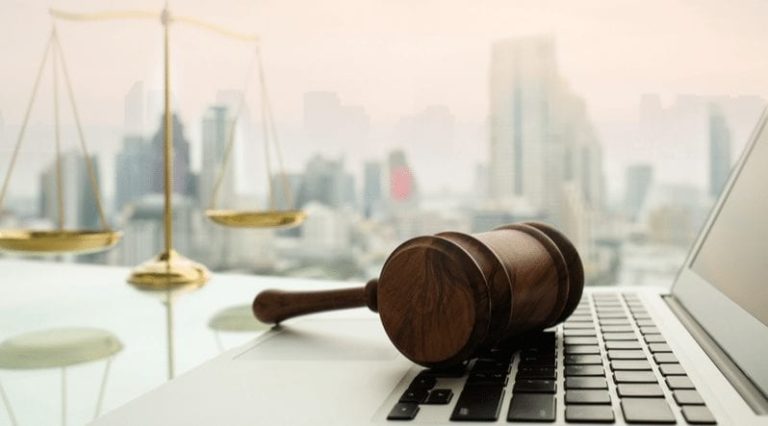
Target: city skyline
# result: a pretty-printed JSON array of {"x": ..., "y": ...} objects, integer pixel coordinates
[{"x": 366, "y": 186}]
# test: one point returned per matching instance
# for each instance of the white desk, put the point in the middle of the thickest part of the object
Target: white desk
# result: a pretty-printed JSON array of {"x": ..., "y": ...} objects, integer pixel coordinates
[{"x": 43, "y": 295}]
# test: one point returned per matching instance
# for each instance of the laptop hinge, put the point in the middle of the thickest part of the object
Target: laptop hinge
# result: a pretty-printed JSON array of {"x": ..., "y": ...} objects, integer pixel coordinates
[{"x": 740, "y": 381}]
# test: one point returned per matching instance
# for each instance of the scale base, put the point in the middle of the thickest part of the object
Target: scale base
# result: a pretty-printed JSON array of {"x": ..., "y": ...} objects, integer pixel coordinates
[{"x": 169, "y": 271}]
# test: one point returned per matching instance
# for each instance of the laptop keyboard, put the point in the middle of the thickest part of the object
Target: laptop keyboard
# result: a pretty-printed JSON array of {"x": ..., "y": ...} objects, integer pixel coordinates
[{"x": 610, "y": 348}]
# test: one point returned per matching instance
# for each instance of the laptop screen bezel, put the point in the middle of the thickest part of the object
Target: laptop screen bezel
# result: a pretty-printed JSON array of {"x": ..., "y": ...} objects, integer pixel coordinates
[{"x": 742, "y": 336}]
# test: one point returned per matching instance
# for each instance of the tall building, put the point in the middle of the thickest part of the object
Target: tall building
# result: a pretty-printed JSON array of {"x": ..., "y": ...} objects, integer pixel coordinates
[
  {"x": 80, "y": 209},
  {"x": 372, "y": 191},
  {"x": 402, "y": 184},
  {"x": 184, "y": 181},
  {"x": 143, "y": 229},
  {"x": 332, "y": 126},
  {"x": 326, "y": 182},
  {"x": 216, "y": 127},
  {"x": 676, "y": 137},
  {"x": 133, "y": 179},
  {"x": 540, "y": 134},
  {"x": 135, "y": 110},
  {"x": 639, "y": 180},
  {"x": 719, "y": 151}
]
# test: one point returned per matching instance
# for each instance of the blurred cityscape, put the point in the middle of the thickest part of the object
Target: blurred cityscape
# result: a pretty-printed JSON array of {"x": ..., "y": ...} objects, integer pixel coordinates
[{"x": 545, "y": 162}]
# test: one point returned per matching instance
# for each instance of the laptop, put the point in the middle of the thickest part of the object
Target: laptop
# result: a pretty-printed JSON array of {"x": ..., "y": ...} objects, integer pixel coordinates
[{"x": 695, "y": 354}]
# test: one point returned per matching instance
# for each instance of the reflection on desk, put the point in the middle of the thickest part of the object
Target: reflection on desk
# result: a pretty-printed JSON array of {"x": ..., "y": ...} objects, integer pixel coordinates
[{"x": 39, "y": 296}]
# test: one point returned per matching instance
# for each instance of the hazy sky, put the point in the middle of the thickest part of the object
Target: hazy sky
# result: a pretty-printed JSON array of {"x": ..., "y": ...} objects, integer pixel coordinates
[{"x": 395, "y": 57}]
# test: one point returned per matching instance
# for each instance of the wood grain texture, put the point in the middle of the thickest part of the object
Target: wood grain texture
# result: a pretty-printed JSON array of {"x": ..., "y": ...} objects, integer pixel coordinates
[
  {"x": 444, "y": 298},
  {"x": 275, "y": 306},
  {"x": 433, "y": 301}
]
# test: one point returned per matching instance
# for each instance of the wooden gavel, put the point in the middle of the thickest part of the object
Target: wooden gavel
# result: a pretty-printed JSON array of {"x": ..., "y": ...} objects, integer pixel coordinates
[{"x": 444, "y": 298}]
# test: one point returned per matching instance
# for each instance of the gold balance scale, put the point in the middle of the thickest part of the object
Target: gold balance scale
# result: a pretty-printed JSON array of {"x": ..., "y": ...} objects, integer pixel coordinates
[{"x": 169, "y": 270}]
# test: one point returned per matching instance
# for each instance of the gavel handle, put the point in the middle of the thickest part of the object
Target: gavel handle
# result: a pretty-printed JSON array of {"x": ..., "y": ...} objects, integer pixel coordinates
[{"x": 275, "y": 306}]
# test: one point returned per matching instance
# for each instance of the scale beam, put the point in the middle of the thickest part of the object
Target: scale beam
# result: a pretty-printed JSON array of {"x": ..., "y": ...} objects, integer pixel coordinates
[{"x": 112, "y": 15}]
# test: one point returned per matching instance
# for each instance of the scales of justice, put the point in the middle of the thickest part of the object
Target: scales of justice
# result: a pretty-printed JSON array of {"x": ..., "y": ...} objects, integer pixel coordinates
[{"x": 169, "y": 270}]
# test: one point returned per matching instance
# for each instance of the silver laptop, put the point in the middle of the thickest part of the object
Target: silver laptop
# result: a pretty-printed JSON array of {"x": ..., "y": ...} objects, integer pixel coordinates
[{"x": 697, "y": 354}]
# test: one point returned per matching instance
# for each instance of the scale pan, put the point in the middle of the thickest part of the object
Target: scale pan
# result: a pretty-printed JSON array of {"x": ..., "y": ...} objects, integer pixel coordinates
[
  {"x": 257, "y": 219},
  {"x": 57, "y": 242}
]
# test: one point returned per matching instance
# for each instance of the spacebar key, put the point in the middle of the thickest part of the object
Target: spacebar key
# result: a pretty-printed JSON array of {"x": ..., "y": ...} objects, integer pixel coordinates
[{"x": 478, "y": 403}]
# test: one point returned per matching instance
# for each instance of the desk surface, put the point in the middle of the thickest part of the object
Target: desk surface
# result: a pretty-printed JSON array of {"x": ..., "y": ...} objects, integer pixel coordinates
[{"x": 46, "y": 295}]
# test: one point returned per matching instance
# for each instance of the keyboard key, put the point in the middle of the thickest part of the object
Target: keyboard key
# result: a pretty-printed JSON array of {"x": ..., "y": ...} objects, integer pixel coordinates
[
  {"x": 584, "y": 370},
  {"x": 579, "y": 318},
  {"x": 455, "y": 371},
  {"x": 580, "y": 332},
  {"x": 587, "y": 397},
  {"x": 439, "y": 397},
  {"x": 634, "y": 377},
  {"x": 649, "y": 330},
  {"x": 538, "y": 362},
  {"x": 623, "y": 344},
  {"x": 687, "y": 397},
  {"x": 671, "y": 370},
  {"x": 612, "y": 321},
  {"x": 578, "y": 325},
  {"x": 585, "y": 383},
  {"x": 645, "y": 323},
  {"x": 414, "y": 395},
  {"x": 618, "y": 310},
  {"x": 612, "y": 304},
  {"x": 659, "y": 347},
  {"x": 583, "y": 360},
  {"x": 491, "y": 365},
  {"x": 526, "y": 407},
  {"x": 589, "y": 414},
  {"x": 617, "y": 329},
  {"x": 632, "y": 365},
  {"x": 647, "y": 410},
  {"x": 697, "y": 415},
  {"x": 403, "y": 411},
  {"x": 487, "y": 378},
  {"x": 619, "y": 336},
  {"x": 612, "y": 315},
  {"x": 654, "y": 338},
  {"x": 644, "y": 390},
  {"x": 679, "y": 382},
  {"x": 665, "y": 358},
  {"x": 626, "y": 354},
  {"x": 423, "y": 381},
  {"x": 582, "y": 350},
  {"x": 536, "y": 373},
  {"x": 478, "y": 403},
  {"x": 534, "y": 386},
  {"x": 568, "y": 340},
  {"x": 641, "y": 315}
]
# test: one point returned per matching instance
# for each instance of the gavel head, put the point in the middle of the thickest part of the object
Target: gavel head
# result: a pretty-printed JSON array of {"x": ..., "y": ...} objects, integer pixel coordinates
[{"x": 443, "y": 298}]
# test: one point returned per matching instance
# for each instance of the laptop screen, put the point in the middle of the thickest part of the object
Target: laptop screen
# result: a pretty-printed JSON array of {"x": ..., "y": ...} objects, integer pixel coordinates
[
  {"x": 724, "y": 285},
  {"x": 734, "y": 253}
]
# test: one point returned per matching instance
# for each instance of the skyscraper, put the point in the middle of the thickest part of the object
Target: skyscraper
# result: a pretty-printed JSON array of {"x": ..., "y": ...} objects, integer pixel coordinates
[
  {"x": 184, "y": 181},
  {"x": 132, "y": 171},
  {"x": 522, "y": 81},
  {"x": 719, "y": 151},
  {"x": 135, "y": 110},
  {"x": 217, "y": 125},
  {"x": 216, "y": 129},
  {"x": 325, "y": 181},
  {"x": 80, "y": 209},
  {"x": 372, "y": 193},
  {"x": 402, "y": 185},
  {"x": 639, "y": 180},
  {"x": 540, "y": 134},
  {"x": 332, "y": 126}
]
